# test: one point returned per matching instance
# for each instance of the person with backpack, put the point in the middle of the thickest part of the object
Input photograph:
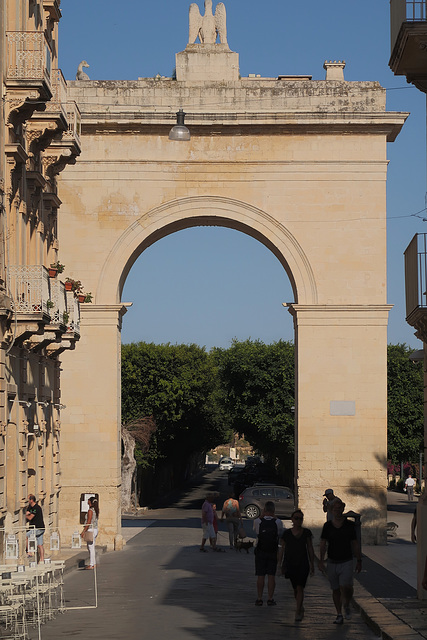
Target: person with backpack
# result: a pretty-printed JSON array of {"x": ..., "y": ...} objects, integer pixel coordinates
[
  {"x": 231, "y": 511},
  {"x": 269, "y": 530}
]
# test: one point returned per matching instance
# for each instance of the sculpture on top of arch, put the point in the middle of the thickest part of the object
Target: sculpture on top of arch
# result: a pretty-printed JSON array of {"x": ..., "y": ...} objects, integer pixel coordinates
[{"x": 210, "y": 26}]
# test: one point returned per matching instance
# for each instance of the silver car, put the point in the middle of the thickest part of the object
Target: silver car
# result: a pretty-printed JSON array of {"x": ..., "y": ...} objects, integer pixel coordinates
[
  {"x": 253, "y": 499},
  {"x": 225, "y": 464}
]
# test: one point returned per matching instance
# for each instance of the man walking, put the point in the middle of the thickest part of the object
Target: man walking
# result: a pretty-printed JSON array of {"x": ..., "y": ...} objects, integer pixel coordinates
[
  {"x": 269, "y": 530},
  {"x": 329, "y": 497},
  {"x": 340, "y": 539},
  {"x": 34, "y": 516},
  {"x": 410, "y": 483}
]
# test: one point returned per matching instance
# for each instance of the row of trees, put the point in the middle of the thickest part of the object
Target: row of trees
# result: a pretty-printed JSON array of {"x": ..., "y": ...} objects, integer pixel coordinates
[{"x": 197, "y": 399}]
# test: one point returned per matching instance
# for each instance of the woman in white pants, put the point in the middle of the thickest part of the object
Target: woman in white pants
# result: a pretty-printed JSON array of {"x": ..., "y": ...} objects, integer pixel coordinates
[{"x": 91, "y": 525}]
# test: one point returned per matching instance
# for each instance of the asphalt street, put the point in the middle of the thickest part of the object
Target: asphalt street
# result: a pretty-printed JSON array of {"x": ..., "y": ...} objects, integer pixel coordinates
[{"x": 161, "y": 586}]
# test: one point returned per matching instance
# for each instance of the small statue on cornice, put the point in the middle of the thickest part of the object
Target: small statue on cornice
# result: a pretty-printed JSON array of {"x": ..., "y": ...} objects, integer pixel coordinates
[
  {"x": 81, "y": 75},
  {"x": 210, "y": 26}
]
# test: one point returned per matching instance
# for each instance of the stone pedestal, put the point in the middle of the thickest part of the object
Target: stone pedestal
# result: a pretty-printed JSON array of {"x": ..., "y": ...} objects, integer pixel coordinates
[{"x": 201, "y": 63}]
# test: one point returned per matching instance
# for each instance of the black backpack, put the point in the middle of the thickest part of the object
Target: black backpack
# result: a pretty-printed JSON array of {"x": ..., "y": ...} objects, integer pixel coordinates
[{"x": 268, "y": 536}]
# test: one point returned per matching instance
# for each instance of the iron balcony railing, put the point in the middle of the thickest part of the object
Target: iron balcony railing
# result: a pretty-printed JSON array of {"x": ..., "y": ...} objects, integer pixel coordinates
[
  {"x": 29, "y": 289},
  {"x": 74, "y": 120},
  {"x": 73, "y": 309},
  {"x": 58, "y": 102},
  {"x": 29, "y": 56},
  {"x": 405, "y": 11},
  {"x": 59, "y": 299},
  {"x": 416, "y": 274}
]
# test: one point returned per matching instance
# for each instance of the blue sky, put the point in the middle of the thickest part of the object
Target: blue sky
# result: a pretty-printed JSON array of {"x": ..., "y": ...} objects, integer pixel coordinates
[{"x": 209, "y": 285}]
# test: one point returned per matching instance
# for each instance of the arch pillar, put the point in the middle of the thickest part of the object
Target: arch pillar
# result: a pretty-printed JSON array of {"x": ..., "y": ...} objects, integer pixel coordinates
[
  {"x": 90, "y": 435},
  {"x": 341, "y": 411}
]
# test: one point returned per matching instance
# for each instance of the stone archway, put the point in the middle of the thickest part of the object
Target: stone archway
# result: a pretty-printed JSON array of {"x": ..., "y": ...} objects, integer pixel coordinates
[
  {"x": 206, "y": 211},
  {"x": 298, "y": 164}
]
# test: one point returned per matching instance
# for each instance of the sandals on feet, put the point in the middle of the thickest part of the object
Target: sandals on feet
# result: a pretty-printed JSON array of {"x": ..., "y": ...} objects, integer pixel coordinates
[
  {"x": 258, "y": 602},
  {"x": 271, "y": 603}
]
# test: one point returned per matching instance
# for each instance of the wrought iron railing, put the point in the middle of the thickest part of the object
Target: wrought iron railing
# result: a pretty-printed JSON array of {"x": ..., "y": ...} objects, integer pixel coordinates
[
  {"x": 406, "y": 11},
  {"x": 29, "y": 56},
  {"x": 58, "y": 297},
  {"x": 73, "y": 310},
  {"x": 74, "y": 119},
  {"x": 416, "y": 274},
  {"x": 29, "y": 289},
  {"x": 59, "y": 93}
]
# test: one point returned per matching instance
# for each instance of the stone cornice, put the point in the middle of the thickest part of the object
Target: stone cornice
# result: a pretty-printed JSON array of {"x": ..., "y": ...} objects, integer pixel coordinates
[
  {"x": 345, "y": 314},
  {"x": 388, "y": 124}
]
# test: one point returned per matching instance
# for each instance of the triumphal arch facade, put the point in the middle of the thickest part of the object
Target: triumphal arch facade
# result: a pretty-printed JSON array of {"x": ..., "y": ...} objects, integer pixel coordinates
[{"x": 298, "y": 164}]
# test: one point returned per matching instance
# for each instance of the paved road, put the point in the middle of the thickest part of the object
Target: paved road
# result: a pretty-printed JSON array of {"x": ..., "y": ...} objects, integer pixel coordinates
[{"x": 162, "y": 587}]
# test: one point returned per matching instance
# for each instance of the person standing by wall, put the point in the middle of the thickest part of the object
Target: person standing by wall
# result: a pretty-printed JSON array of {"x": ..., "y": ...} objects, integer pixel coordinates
[
  {"x": 34, "y": 516},
  {"x": 90, "y": 530},
  {"x": 329, "y": 496}
]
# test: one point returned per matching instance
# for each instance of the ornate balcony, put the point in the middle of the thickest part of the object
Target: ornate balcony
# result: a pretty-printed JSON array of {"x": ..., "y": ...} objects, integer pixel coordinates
[
  {"x": 45, "y": 125},
  {"x": 28, "y": 73},
  {"x": 47, "y": 315},
  {"x": 416, "y": 284},
  {"x": 409, "y": 40},
  {"x": 29, "y": 289},
  {"x": 64, "y": 149}
]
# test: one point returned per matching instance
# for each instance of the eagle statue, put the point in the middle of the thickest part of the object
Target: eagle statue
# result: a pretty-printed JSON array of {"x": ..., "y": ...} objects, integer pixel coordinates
[{"x": 209, "y": 26}]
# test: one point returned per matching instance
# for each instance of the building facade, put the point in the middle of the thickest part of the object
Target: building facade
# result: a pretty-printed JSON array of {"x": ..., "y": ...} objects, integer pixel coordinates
[
  {"x": 409, "y": 58},
  {"x": 298, "y": 164},
  {"x": 39, "y": 319}
]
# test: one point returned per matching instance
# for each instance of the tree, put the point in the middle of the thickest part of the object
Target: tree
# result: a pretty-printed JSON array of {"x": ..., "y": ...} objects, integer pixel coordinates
[
  {"x": 405, "y": 424},
  {"x": 178, "y": 385},
  {"x": 258, "y": 384}
]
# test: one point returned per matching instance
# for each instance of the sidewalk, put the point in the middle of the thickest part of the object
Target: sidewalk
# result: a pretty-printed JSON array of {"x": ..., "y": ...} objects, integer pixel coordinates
[{"x": 176, "y": 597}]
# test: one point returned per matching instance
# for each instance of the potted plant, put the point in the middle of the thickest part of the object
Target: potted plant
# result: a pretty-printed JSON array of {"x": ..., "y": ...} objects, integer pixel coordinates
[
  {"x": 81, "y": 297},
  {"x": 88, "y": 297},
  {"x": 55, "y": 268},
  {"x": 50, "y": 304},
  {"x": 73, "y": 285},
  {"x": 65, "y": 317}
]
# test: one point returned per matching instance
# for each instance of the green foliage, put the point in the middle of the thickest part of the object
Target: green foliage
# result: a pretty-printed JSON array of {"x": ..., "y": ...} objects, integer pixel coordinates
[
  {"x": 258, "y": 389},
  {"x": 179, "y": 386},
  {"x": 405, "y": 424}
]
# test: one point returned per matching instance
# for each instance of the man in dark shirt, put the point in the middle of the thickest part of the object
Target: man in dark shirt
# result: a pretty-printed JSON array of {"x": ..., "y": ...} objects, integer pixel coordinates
[
  {"x": 339, "y": 537},
  {"x": 34, "y": 516}
]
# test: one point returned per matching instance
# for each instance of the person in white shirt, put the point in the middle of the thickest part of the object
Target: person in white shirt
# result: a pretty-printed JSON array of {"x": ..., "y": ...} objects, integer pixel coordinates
[{"x": 410, "y": 483}]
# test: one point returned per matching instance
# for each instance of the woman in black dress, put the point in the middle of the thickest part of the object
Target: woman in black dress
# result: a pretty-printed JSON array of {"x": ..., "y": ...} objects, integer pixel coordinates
[{"x": 298, "y": 558}]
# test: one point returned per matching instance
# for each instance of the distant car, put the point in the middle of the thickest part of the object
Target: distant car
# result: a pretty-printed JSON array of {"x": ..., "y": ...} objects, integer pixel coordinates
[
  {"x": 225, "y": 464},
  {"x": 253, "y": 499}
]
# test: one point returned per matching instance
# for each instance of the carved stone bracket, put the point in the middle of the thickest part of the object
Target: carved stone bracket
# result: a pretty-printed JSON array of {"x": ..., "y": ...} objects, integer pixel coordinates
[
  {"x": 67, "y": 343},
  {"x": 55, "y": 160},
  {"x": 21, "y": 103}
]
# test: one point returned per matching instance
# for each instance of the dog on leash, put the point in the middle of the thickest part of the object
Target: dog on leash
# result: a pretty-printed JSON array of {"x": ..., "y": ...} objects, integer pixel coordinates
[{"x": 246, "y": 545}]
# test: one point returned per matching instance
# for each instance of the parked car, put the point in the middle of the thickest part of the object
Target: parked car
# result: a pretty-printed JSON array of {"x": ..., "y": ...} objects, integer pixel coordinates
[
  {"x": 253, "y": 499},
  {"x": 225, "y": 464}
]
